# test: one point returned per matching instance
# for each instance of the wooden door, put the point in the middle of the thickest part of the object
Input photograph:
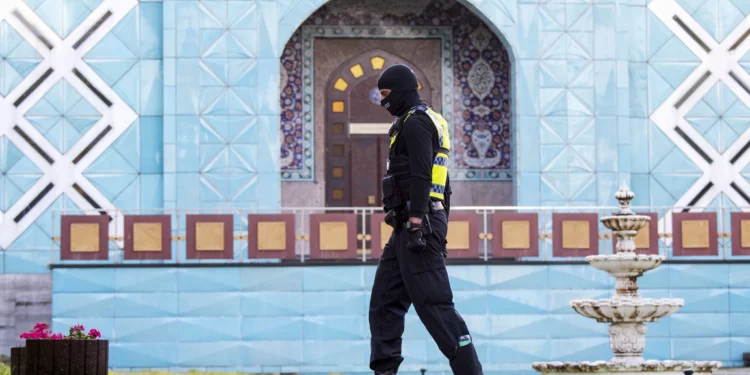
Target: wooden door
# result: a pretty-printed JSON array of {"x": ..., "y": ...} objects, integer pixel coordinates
[{"x": 357, "y": 130}]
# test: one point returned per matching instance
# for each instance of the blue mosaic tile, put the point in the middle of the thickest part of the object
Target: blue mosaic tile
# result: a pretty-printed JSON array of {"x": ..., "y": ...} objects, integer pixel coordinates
[
  {"x": 699, "y": 325},
  {"x": 272, "y": 328},
  {"x": 140, "y": 330},
  {"x": 209, "y": 304},
  {"x": 81, "y": 280},
  {"x": 146, "y": 304},
  {"x": 209, "y": 329},
  {"x": 335, "y": 303},
  {"x": 701, "y": 349},
  {"x": 144, "y": 355}
]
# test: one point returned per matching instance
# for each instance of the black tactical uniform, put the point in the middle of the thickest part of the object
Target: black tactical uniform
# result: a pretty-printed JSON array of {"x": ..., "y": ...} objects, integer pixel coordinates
[{"x": 412, "y": 267}]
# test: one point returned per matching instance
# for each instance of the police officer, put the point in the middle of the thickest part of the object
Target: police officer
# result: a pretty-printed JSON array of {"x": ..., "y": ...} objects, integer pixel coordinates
[{"x": 412, "y": 270}]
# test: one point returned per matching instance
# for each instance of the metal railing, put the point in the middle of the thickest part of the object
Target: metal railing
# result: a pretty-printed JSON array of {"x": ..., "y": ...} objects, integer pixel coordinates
[{"x": 484, "y": 231}]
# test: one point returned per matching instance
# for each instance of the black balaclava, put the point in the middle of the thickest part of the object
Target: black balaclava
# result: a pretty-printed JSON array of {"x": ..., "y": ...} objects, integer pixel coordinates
[{"x": 402, "y": 82}]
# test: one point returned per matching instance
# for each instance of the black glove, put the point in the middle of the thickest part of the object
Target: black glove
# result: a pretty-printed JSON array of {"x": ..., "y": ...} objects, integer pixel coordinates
[{"x": 416, "y": 242}]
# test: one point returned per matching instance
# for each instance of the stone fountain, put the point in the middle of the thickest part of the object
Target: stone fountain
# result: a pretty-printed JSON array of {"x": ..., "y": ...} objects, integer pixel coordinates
[{"x": 626, "y": 311}]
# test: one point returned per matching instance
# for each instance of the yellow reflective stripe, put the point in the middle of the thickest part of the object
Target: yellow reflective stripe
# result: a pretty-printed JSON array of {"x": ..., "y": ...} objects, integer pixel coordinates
[
  {"x": 442, "y": 128},
  {"x": 439, "y": 175}
]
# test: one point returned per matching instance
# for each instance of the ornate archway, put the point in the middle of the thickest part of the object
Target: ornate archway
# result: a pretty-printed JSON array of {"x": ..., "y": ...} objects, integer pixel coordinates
[{"x": 356, "y": 129}]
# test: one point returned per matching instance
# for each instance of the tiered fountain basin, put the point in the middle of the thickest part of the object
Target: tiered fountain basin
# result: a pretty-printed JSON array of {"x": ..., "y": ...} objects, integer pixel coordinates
[
  {"x": 642, "y": 368},
  {"x": 626, "y": 311},
  {"x": 643, "y": 310}
]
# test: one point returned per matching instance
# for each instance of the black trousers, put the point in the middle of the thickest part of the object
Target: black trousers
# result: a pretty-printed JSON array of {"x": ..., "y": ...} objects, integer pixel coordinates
[{"x": 404, "y": 278}]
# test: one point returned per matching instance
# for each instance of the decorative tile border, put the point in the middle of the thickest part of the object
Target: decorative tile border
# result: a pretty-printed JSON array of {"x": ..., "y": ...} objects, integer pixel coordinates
[
  {"x": 575, "y": 234},
  {"x": 209, "y": 237},
  {"x": 740, "y": 233},
  {"x": 463, "y": 236},
  {"x": 148, "y": 237},
  {"x": 333, "y": 236},
  {"x": 694, "y": 234},
  {"x": 84, "y": 237},
  {"x": 515, "y": 235},
  {"x": 271, "y": 236}
]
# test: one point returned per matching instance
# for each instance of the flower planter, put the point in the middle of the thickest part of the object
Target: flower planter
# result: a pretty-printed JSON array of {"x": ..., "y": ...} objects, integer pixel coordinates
[
  {"x": 61, "y": 357},
  {"x": 17, "y": 361}
]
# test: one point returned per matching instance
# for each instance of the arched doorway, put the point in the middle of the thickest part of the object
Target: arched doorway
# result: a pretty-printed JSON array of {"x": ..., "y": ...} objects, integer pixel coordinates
[
  {"x": 356, "y": 129},
  {"x": 470, "y": 72}
]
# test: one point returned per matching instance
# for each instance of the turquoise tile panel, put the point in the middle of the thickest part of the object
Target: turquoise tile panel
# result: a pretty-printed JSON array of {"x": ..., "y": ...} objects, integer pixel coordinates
[
  {"x": 77, "y": 305},
  {"x": 209, "y": 304},
  {"x": 271, "y": 279},
  {"x": 739, "y": 275},
  {"x": 559, "y": 300},
  {"x": 655, "y": 279},
  {"x": 517, "y": 302},
  {"x": 152, "y": 280},
  {"x": 659, "y": 349},
  {"x": 209, "y": 280},
  {"x": 523, "y": 326},
  {"x": 146, "y": 330},
  {"x": 583, "y": 349},
  {"x": 660, "y": 328},
  {"x": 273, "y": 328},
  {"x": 739, "y": 324},
  {"x": 273, "y": 303},
  {"x": 698, "y": 276},
  {"x": 349, "y": 352},
  {"x": 27, "y": 262},
  {"x": 81, "y": 280},
  {"x": 701, "y": 349},
  {"x": 272, "y": 353},
  {"x": 516, "y": 277},
  {"x": 738, "y": 346},
  {"x": 332, "y": 278},
  {"x": 575, "y": 276},
  {"x": 470, "y": 302},
  {"x": 739, "y": 300},
  {"x": 467, "y": 277},
  {"x": 335, "y": 303},
  {"x": 144, "y": 355},
  {"x": 699, "y": 325},
  {"x": 209, "y": 329},
  {"x": 564, "y": 326},
  {"x": 333, "y": 328},
  {"x": 215, "y": 353},
  {"x": 517, "y": 350},
  {"x": 703, "y": 300},
  {"x": 479, "y": 325},
  {"x": 146, "y": 304}
]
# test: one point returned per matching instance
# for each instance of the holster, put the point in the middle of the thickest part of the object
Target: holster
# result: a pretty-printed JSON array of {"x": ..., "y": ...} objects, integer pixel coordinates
[{"x": 391, "y": 194}]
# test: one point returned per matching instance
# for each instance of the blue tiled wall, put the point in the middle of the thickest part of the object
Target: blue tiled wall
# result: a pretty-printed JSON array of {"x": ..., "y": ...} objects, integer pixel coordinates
[
  {"x": 203, "y": 78},
  {"x": 314, "y": 319}
]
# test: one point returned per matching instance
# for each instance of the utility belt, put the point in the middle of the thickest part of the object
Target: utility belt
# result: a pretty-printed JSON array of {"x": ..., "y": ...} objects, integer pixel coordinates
[{"x": 396, "y": 218}]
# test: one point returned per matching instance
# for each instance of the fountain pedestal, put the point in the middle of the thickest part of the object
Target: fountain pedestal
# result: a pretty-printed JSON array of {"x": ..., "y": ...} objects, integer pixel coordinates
[{"x": 626, "y": 311}]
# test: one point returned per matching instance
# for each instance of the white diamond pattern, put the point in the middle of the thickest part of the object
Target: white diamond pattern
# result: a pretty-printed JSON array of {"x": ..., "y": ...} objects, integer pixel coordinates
[
  {"x": 719, "y": 61},
  {"x": 59, "y": 63}
]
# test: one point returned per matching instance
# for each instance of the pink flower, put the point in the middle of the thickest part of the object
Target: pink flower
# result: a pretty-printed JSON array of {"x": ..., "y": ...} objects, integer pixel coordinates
[
  {"x": 78, "y": 327},
  {"x": 56, "y": 336},
  {"x": 95, "y": 333},
  {"x": 40, "y": 327}
]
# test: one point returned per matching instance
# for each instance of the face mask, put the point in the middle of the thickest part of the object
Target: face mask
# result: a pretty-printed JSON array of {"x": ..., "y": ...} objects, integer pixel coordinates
[{"x": 398, "y": 102}]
